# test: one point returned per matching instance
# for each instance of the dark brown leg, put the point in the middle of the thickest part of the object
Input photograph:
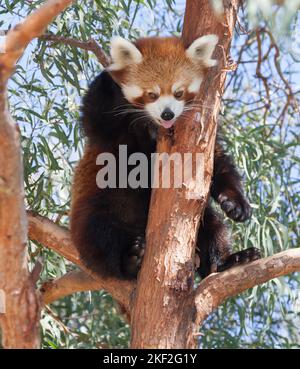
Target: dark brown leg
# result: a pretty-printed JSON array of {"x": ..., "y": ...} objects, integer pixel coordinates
[
  {"x": 227, "y": 187},
  {"x": 213, "y": 246}
]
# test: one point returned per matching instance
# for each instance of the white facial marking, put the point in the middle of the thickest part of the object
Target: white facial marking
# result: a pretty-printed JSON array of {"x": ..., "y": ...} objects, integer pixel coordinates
[
  {"x": 132, "y": 92},
  {"x": 177, "y": 86},
  {"x": 202, "y": 49},
  {"x": 195, "y": 85},
  {"x": 156, "y": 108},
  {"x": 156, "y": 89},
  {"x": 123, "y": 53}
]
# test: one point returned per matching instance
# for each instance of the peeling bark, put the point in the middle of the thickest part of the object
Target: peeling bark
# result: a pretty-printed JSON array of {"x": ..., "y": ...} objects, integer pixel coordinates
[
  {"x": 168, "y": 320},
  {"x": 168, "y": 311},
  {"x": 218, "y": 287},
  {"x": 19, "y": 321},
  {"x": 211, "y": 292}
]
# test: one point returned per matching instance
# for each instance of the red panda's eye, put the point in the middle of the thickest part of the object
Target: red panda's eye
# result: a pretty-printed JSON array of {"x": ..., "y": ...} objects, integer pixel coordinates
[
  {"x": 153, "y": 96},
  {"x": 178, "y": 94}
]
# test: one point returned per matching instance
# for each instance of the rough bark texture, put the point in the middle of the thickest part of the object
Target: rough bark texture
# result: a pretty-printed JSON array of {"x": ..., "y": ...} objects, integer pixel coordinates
[
  {"x": 169, "y": 319},
  {"x": 218, "y": 287},
  {"x": 168, "y": 312},
  {"x": 20, "y": 319}
]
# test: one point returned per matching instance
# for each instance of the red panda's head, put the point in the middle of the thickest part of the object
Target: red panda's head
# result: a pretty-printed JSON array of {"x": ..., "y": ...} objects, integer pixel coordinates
[{"x": 159, "y": 75}]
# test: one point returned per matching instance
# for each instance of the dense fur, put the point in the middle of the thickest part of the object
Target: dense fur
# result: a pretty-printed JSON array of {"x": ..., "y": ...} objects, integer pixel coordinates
[
  {"x": 108, "y": 225},
  {"x": 158, "y": 73}
]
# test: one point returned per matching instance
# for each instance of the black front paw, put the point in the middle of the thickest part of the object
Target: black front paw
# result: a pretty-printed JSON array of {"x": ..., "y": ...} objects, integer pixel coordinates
[
  {"x": 240, "y": 257},
  {"x": 236, "y": 208},
  {"x": 133, "y": 257}
]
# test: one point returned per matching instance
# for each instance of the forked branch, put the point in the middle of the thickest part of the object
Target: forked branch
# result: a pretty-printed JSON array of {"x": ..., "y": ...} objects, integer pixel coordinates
[
  {"x": 218, "y": 287},
  {"x": 211, "y": 292}
]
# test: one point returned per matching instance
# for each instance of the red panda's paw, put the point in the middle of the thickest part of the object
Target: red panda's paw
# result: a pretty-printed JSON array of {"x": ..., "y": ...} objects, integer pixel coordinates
[
  {"x": 240, "y": 257},
  {"x": 236, "y": 208},
  {"x": 133, "y": 258}
]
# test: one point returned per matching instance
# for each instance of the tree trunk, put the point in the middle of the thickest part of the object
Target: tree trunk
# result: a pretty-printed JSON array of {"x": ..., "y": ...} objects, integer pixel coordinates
[
  {"x": 164, "y": 314},
  {"x": 20, "y": 309},
  {"x": 19, "y": 303}
]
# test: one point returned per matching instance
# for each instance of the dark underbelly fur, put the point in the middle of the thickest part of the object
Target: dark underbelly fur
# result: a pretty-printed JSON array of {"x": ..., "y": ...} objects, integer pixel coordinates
[{"x": 108, "y": 226}]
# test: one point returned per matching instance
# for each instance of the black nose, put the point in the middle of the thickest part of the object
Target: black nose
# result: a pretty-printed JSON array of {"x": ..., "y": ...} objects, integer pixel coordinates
[{"x": 167, "y": 114}]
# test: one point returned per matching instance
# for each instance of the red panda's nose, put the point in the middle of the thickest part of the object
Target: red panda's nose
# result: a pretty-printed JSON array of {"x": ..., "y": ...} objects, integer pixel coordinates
[{"x": 167, "y": 114}]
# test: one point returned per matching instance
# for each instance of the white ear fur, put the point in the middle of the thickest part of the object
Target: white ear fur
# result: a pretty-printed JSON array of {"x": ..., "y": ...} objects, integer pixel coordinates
[
  {"x": 123, "y": 53},
  {"x": 202, "y": 49}
]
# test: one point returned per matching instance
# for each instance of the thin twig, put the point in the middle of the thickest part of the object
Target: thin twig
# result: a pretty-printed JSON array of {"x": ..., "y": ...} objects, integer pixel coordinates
[
  {"x": 261, "y": 76},
  {"x": 90, "y": 45}
]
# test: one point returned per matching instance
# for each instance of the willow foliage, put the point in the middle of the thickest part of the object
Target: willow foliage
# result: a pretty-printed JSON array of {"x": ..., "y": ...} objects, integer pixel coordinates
[{"x": 260, "y": 124}]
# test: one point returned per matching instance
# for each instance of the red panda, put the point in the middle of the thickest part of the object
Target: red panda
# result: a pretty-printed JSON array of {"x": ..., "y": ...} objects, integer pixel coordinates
[
  {"x": 159, "y": 74},
  {"x": 149, "y": 84}
]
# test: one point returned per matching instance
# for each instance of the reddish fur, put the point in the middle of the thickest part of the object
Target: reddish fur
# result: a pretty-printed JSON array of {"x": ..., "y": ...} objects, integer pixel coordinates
[
  {"x": 84, "y": 181},
  {"x": 164, "y": 63},
  {"x": 108, "y": 225}
]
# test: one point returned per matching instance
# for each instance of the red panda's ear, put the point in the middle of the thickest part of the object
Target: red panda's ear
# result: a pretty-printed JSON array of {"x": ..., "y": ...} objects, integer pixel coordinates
[
  {"x": 201, "y": 50},
  {"x": 123, "y": 54}
]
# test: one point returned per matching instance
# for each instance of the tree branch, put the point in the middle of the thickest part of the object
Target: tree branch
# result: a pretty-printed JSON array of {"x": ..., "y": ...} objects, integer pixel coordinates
[
  {"x": 218, "y": 287},
  {"x": 71, "y": 282},
  {"x": 33, "y": 26},
  {"x": 211, "y": 292},
  {"x": 90, "y": 45},
  {"x": 20, "y": 320},
  {"x": 53, "y": 236},
  {"x": 167, "y": 270},
  {"x": 168, "y": 267}
]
